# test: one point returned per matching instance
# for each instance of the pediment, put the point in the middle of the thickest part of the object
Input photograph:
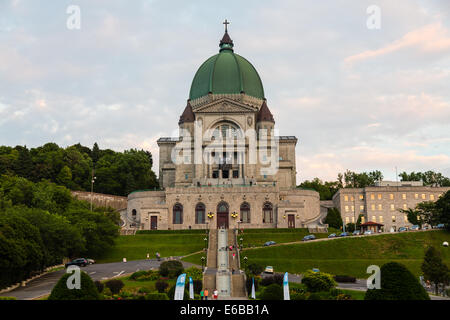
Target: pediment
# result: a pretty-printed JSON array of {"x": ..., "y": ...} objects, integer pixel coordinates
[{"x": 225, "y": 106}]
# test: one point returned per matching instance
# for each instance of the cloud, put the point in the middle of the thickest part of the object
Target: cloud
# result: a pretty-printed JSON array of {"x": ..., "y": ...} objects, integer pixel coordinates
[{"x": 432, "y": 38}]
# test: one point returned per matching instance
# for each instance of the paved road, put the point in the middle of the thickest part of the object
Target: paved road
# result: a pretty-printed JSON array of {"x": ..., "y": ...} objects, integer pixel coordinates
[{"x": 43, "y": 285}]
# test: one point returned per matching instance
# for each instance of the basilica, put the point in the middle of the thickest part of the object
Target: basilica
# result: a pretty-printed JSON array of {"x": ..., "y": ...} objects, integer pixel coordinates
[{"x": 228, "y": 167}]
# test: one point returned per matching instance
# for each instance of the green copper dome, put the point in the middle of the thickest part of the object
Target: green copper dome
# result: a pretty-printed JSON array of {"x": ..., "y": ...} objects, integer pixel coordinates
[{"x": 226, "y": 72}]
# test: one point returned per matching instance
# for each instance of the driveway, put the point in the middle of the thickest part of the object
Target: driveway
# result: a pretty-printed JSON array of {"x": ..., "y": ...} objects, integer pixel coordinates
[{"x": 44, "y": 285}]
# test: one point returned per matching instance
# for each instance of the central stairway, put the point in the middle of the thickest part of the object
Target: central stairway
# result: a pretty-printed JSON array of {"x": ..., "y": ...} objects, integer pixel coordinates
[{"x": 223, "y": 270}]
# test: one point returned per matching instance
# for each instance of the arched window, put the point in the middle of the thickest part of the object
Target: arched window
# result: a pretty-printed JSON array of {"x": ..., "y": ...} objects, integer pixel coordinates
[
  {"x": 177, "y": 214},
  {"x": 200, "y": 213},
  {"x": 222, "y": 207},
  {"x": 267, "y": 213},
  {"x": 245, "y": 212},
  {"x": 133, "y": 214}
]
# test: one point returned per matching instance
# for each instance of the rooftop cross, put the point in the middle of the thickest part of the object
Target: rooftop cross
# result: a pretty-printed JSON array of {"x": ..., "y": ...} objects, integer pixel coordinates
[{"x": 226, "y": 23}]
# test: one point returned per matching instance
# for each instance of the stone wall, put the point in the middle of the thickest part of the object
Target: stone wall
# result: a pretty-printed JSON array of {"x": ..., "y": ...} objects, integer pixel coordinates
[{"x": 102, "y": 200}]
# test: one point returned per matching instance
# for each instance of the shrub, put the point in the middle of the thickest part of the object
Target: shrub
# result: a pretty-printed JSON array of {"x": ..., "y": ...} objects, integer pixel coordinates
[
  {"x": 198, "y": 285},
  {"x": 107, "y": 292},
  {"x": 99, "y": 286},
  {"x": 299, "y": 296},
  {"x": 171, "y": 268},
  {"x": 161, "y": 286},
  {"x": 194, "y": 273},
  {"x": 255, "y": 269},
  {"x": 156, "y": 296},
  {"x": 171, "y": 293},
  {"x": 87, "y": 291},
  {"x": 115, "y": 285},
  {"x": 345, "y": 279},
  {"x": 137, "y": 274},
  {"x": 272, "y": 292},
  {"x": 144, "y": 290},
  {"x": 397, "y": 283},
  {"x": 318, "y": 281},
  {"x": 143, "y": 275},
  {"x": 268, "y": 280}
]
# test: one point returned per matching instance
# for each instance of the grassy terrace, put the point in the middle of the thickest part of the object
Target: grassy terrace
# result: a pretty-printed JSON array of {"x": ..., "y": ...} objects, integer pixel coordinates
[
  {"x": 167, "y": 243},
  {"x": 349, "y": 256}
]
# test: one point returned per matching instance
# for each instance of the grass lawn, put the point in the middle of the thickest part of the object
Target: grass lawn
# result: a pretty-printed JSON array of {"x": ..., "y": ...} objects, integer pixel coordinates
[
  {"x": 351, "y": 256},
  {"x": 167, "y": 244},
  {"x": 195, "y": 258},
  {"x": 356, "y": 294},
  {"x": 257, "y": 237}
]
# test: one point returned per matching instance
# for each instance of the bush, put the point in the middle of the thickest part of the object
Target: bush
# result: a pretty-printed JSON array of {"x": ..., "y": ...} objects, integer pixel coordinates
[
  {"x": 171, "y": 293},
  {"x": 198, "y": 285},
  {"x": 345, "y": 279},
  {"x": 255, "y": 269},
  {"x": 299, "y": 296},
  {"x": 115, "y": 285},
  {"x": 397, "y": 283},
  {"x": 137, "y": 274},
  {"x": 99, "y": 286},
  {"x": 87, "y": 291},
  {"x": 144, "y": 290},
  {"x": 171, "y": 268},
  {"x": 272, "y": 292},
  {"x": 194, "y": 273},
  {"x": 161, "y": 286},
  {"x": 156, "y": 296},
  {"x": 318, "y": 281},
  {"x": 268, "y": 280},
  {"x": 143, "y": 275}
]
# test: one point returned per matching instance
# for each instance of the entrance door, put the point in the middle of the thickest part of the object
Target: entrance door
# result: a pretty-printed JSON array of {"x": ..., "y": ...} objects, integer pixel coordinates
[
  {"x": 222, "y": 215},
  {"x": 154, "y": 223},
  {"x": 291, "y": 221}
]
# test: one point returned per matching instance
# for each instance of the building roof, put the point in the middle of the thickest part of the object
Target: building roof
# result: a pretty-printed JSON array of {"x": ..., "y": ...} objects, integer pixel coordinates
[
  {"x": 264, "y": 114},
  {"x": 226, "y": 73},
  {"x": 187, "y": 115}
]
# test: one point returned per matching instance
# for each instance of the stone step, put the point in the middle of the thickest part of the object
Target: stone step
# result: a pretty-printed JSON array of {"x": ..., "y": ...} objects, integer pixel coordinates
[{"x": 238, "y": 286}]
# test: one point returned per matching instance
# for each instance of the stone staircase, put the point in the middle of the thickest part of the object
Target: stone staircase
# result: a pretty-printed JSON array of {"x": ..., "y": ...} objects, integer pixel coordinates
[{"x": 211, "y": 261}]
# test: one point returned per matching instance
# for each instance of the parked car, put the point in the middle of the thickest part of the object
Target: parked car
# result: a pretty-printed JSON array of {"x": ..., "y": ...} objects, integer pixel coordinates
[
  {"x": 440, "y": 226},
  {"x": 356, "y": 233},
  {"x": 90, "y": 261},
  {"x": 425, "y": 228},
  {"x": 344, "y": 234},
  {"x": 81, "y": 262},
  {"x": 309, "y": 237},
  {"x": 414, "y": 227},
  {"x": 367, "y": 232},
  {"x": 402, "y": 229},
  {"x": 268, "y": 269},
  {"x": 333, "y": 235},
  {"x": 269, "y": 243}
]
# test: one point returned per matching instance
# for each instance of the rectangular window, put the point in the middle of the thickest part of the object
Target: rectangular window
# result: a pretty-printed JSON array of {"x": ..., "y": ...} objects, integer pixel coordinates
[
  {"x": 374, "y": 218},
  {"x": 372, "y": 197},
  {"x": 235, "y": 174},
  {"x": 393, "y": 219},
  {"x": 353, "y": 209},
  {"x": 416, "y": 196},
  {"x": 381, "y": 219},
  {"x": 361, "y": 208},
  {"x": 347, "y": 220},
  {"x": 380, "y": 207},
  {"x": 363, "y": 219},
  {"x": 352, "y": 198},
  {"x": 372, "y": 207},
  {"x": 404, "y": 196},
  {"x": 405, "y": 206},
  {"x": 215, "y": 174},
  {"x": 392, "y": 207},
  {"x": 353, "y": 219},
  {"x": 361, "y": 197},
  {"x": 345, "y": 198},
  {"x": 379, "y": 196},
  {"x": 424, "y": 196},
  {"x": 346, "y": 208},
  {"x": 432, "y": 197},
  {"x": 186, "y": 176},
  {"x": 391, "y": 196}
]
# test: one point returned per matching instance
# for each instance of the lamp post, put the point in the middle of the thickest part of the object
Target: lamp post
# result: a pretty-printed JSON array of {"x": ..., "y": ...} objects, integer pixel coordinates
[
  {"x": 245, "y": 263},
  {"x": 206, "y": 246},
  {"x": 92, "y": 186},
  {"x": 203, "y": 263},
  {"x": 241, "y": 239}
]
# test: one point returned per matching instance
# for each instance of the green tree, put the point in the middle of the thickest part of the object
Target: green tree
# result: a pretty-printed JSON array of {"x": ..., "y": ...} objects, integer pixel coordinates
[
  {"x": 434, "y": 269},
  {"x": 65, "y": 177},
  {"x": 318, "y": 281},
  {"x": 333, "y": 218},
  {"x": 413, "y": 216},
  {"x": 397, "y": 283},
  {"x": 87, "y": 291}
]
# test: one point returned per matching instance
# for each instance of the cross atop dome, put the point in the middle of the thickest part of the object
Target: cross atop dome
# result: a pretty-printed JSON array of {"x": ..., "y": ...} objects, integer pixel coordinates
[{"x": 226, "y": 23}]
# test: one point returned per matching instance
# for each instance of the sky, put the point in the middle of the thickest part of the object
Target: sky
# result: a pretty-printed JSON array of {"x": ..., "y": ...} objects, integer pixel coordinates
[{"x": 356, "y": 98}]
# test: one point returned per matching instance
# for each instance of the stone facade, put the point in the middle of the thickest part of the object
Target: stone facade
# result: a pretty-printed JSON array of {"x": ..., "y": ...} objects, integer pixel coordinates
[{"x": 382, "y": 204}]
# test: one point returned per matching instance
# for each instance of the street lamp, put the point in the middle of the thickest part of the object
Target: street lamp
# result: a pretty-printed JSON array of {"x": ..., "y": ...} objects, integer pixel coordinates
[
  {"x": 206, "y": 246},
  {"x": 241, "y": 242},
  {"x": 245, "y": 263},
  {"x": 92, "y": 186},
  {"x": 203, "y": 263}
]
